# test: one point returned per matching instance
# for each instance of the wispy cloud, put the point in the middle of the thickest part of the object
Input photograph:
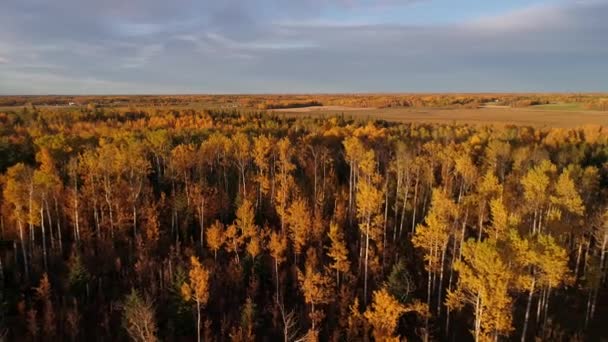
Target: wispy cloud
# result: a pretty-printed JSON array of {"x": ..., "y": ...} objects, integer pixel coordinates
[{"x": 303, "y": 45}]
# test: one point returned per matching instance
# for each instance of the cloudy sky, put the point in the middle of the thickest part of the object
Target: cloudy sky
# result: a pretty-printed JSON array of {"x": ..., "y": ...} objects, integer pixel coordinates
[{"x": 261, "y": 46}]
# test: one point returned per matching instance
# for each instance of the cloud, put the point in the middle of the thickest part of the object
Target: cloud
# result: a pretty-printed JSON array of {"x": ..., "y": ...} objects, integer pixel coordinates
[
  {"x": 3, "y": 60},
  {"x": 297, "y": 46}
]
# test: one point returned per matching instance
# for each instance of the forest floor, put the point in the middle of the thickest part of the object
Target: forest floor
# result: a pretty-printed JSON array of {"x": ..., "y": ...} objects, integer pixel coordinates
[{"x": 530, "y": 116}]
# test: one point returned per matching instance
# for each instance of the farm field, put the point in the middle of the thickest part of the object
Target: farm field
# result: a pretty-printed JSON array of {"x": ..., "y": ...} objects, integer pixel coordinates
[{"x": 484, "y": 116}]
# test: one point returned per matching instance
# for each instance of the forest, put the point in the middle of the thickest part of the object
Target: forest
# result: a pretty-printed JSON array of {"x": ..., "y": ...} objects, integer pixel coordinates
[
  {"x": 153, "y": 223},
  {"x": 587, "y": 101}
]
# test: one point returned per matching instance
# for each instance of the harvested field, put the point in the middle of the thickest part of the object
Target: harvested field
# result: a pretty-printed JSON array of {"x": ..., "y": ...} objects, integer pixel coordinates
[
  {"x": 322, "y": 108},
  {"x": 483, "y": 116}
]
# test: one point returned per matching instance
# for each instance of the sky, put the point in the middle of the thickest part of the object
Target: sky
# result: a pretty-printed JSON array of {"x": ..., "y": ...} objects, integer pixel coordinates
[{"x": 302, "y": 46}]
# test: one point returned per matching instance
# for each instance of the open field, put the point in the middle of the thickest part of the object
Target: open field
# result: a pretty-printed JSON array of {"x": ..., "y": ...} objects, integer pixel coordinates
[
  {"x": 322, "y": 108},
  {"x": 484, "y": 116}
]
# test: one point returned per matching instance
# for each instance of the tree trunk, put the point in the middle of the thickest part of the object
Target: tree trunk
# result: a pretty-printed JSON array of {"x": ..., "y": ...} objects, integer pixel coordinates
[
  {"x": 50, "y": 221},
  {"x": 439, "y": 292},
  {"x": 202, "y": 210},
  {"x": 42, "y": 227},
  {"x": 25, "y": 263},
  {"x": 366, "y": 261},
  {"x": 276, "y": 272},
  {"x": 59, "y": 237},
  {"x": 527, "y": 315},
  {"x": 415, "y": 205},
  {"x": 198, "y": 321}
]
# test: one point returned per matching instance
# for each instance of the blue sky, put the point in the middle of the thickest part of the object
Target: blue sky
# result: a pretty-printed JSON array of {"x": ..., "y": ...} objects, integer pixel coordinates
[{"x": 265, "y": 46}]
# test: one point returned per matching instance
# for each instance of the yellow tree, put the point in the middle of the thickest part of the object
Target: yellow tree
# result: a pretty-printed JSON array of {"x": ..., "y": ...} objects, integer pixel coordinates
[
  {"x": 488, "y": 189},
  {"x": 245, "y": 220},
  {"x": 241, "y": 150},
  {"x": 317, "y": 290},
  {"x": 48, "y": 185},
  {"x": 566, "y": 197},
  {"x": 262, "y": 148},
  {"x": 278, "y": 247},
  {"x": 18, "y": 193},
  {"x": 197, "y": 290},
  {"x": 536, "y": 192},
  {"x": 299, "y": 223},
  {"x": 502, "y": 220},
  {"x": 485, "y": 278},
  {"x": 215, "y": 237},
  {"x": 384, "y": 314},
  {"x": 369, "y": 207},
  {"x": 338, "y": 251},
  {"x": 433, "y": 237},
  {"x": 234, "y": 241},
  {"x": 542, "y": 265},
  {"x": 284, "y": 177},
  {"x": 354, "y": 150}
]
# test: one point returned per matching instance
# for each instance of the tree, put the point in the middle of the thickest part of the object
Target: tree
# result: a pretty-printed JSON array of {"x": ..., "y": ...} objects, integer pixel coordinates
[
  {"x": 18, "y": 193},
  {"x": 138, "y": 318},
  {"x": 285, "y": 182},
  {"x": 536, "y": 192},
  {"x": 433, "y": 237},
  {"x": 317, "y": 289},
  {"x": 488, "y": 189},
  {"x": 338, "y": 252},
  {"x": 215, "y": 237},
  {"x": 541, "y": 265},
  {"x": 43, "y": 293},
  {"x": 383, "y": 315},
  {"x": 385, "y": 311},
  {"x": 197, "y": 290},
  {"x": 299, "y": 222},
  {"x": 262, "y": 148},
  {"x": 484, "y": 281},
  {"x": 242, "y": 157},
  {"x": 369, "y": 207},
  {"x": 277, "y": 247}
]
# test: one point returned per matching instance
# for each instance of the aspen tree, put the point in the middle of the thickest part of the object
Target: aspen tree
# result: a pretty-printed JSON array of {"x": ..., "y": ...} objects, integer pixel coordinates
[
  {"x": 284, "y": 179},
  {"x": 215, "y": 237},
  {"x": 241, "y": 150},
  {"x": 138, "y": 318},
  {"x": 277, "y": 247},
  {"x": 338, "y": 252},
  {"x": 369, "y": 206},
  {"x": 196, "y": 289},
  {"x": 17, "y": 194},
  {"x": 317, "y": 290},
  {"x": 299, "y": 223}
]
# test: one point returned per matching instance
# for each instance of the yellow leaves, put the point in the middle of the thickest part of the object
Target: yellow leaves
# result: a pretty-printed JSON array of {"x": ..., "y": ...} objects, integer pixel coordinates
[
  {"x": 536, "y": 182},
  {"x": 245, "y": 219},
  {"x": 369, "y": 200},
  {"x": 197, "y": 288},
  {"x": 432, "y": 236},
  {"x": 299, "y": 222},
  {"x": 186, "y": 292},
  {"x": 489, "y": 186},
  {"x": 316, "y": 286},
  {"x": 383, "y": 315},
  {"x": 262, "y": 147},
  {"x": 277, "y": 246},
  {"x": 485, "y": 278},
  {"x": 215, "y": 236},
  {"x": 338, "y": 250},
  {"x": 254, "y": 247},
  {"x": 566, "y": 195}
]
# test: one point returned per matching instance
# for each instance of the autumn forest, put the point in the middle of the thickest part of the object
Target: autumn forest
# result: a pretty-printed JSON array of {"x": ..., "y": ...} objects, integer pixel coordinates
[{"x": 150, "y": 222}]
